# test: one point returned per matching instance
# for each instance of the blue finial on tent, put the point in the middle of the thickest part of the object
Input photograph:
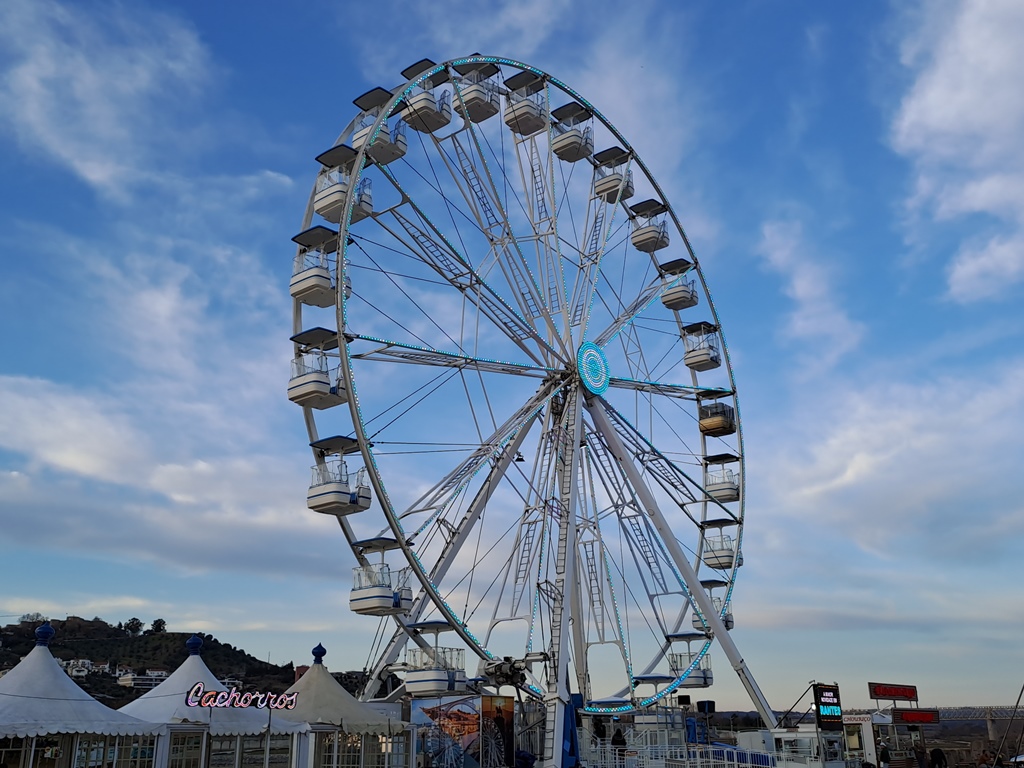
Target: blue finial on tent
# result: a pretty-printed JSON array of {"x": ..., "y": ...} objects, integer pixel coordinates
[
  {"x": 318, "y": 654},
  {"x": 193, "y": 644},
  {"x": 44, "y": 633}
]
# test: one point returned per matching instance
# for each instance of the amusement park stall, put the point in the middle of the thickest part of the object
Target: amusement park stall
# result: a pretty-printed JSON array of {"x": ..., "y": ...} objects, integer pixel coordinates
[
  {"x": 216, "y": 736},
  {"x": 343, "y": 732},
  {"x": 47, "y": 721}
]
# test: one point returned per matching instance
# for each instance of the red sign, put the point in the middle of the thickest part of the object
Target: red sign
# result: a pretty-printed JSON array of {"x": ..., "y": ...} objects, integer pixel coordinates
[
  {"x": 892, "y": 691},
  {"x": 915, "y": 716}
]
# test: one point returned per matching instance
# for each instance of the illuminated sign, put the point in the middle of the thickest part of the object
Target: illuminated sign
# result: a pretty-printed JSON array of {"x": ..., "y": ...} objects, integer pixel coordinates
[
  {"x": 200, "y": 697},
  {"x": 827, "y": 707},
  {"x": 892, "y": 691},
  {"x": 915, "y": 716}
]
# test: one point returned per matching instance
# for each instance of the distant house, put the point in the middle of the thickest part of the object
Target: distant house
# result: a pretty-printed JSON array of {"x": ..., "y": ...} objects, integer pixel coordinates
[{"x": 151, "y": 679}]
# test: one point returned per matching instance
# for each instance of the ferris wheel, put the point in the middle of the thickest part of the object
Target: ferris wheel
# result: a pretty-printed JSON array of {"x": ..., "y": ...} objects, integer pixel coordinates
[{"x": 518, "y": 396}]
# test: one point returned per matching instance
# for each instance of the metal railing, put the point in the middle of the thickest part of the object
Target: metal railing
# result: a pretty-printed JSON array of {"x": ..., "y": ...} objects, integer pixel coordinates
[
  {"x": 312, "y": 363},
  {"x": 374, "y": 575},
  {"x": 655, "y": 749},
  {"x": 332, "y": 471},
  {"x": 722, "y": 476},
  {"x": 436, "y": 658}
]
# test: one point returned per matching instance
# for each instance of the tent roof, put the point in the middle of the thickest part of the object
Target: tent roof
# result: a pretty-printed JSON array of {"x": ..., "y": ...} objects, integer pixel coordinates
[
  {"x": 166, "y": 704},
  {"x": 38, "y": 698},
  {"x": 322, "y": 699}
]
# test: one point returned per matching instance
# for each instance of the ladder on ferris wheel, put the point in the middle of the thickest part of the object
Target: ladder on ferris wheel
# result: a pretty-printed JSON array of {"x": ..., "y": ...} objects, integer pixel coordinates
[
  {"x": 595, "y": 246},
  {"x": 596, "y": 587},
  {"x": 527, "y": 537},
  {"x": 639, "y": 534},
  {"x": 495, "y": 229}
]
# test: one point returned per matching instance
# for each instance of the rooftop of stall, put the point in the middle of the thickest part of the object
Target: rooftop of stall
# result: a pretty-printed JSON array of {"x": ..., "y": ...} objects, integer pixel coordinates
[
  {"x": 224, "y": 735},
  {"x": 166, "y": 703},
  {"x": 323, "y": 701},
  {"x": 37, "y": 698},
  {"x": 46, "y": 716}
]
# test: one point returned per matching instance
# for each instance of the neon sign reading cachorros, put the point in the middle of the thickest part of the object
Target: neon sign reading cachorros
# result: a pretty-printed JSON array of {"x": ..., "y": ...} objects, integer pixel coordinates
[{"x": 198, "y": 696}]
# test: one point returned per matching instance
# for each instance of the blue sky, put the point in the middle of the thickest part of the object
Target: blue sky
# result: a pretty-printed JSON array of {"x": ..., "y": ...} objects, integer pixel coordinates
[{"x": 851, "y": 176}]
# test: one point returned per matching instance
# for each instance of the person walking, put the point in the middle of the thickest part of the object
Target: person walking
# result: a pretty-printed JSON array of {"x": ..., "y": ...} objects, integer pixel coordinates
[
  {"x": 938, "y": 759},
  {"x": 883, "y": 755}
]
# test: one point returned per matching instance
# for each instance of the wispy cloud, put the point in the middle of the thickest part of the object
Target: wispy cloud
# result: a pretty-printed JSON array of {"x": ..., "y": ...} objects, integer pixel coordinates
[
  {"x": 452, "y": 28},
  {"x": 961, "y": 122},
  {"x": 89, "y": 89},
  {"x": 920, "y": 470},
  {"x": 817, "y": 318}
]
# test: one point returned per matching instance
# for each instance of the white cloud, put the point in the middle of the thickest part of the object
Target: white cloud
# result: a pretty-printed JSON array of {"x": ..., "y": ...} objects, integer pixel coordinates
[
  {"x": 68, "y": 430},
  {"x": 451, "y": 29},
  {"x": 906, "y": 471},
  {"x": 817, "y": 319},
  {"x": 89, "y": 89},
  {"x": 962, "y": 124}
]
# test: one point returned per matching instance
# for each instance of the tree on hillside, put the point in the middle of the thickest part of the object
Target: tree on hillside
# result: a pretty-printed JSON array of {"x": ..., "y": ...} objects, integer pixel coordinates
[
  {"x": 31, "y": 617},
  {"x": 159, "y": 626},
  {"x": 133, "y": 626}
]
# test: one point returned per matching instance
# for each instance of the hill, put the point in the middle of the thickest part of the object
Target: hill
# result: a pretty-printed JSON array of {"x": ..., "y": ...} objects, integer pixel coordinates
[{"x": 100, "y": 642}]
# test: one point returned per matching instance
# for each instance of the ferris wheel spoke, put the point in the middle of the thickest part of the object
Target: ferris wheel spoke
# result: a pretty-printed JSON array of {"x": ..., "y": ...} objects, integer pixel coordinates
[
  {"x": 434, "y": 249},
  {"x": 397, "y": 352},
  {"x": 678, "y": 391},
  {"x": 440, "y": 497},
  {"x": 452, "y": 548},
  {"x": 536, "y": 168},
  {"x": 644, "y": 299},
  {"x": 481, "y": 193},
  {"x": 648, "y": 554},
  {"x": 600, "y": 233}
]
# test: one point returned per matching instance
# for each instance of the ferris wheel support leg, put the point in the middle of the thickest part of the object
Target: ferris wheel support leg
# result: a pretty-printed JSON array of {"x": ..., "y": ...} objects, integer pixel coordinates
[
  {"x": 596, "y": 408},
  {"x": 556, "y": 698}
]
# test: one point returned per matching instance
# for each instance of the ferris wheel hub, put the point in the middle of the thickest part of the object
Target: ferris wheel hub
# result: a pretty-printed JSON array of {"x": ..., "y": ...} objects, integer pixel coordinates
[{"x": 592, "y": 365}]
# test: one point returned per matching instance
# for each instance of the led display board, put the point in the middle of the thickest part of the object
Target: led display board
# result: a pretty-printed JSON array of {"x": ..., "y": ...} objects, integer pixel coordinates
[
  {"x": 915, "y": 716},
  {"x": 892, "y": 691},
  {"x": 827, "y": 708}
]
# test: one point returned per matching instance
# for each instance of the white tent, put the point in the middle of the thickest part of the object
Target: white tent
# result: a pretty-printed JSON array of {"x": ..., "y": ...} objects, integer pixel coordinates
[
  {"x": 37, "y": 698},
  {"x": 167, "y": 703},
  {"x": 322, "y": 699}
]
